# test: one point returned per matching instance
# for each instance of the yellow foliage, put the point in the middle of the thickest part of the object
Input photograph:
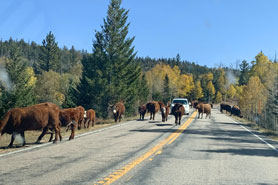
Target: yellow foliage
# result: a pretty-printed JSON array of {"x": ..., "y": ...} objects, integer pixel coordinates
[
  {"x": 231, "y": 91},
  {"x": 180, "y": 85},
  {"x": 59, "y": 97},
  {"x": 186, "y": 85},
  {"x": 210, "y": 88},
  {"x": 198, "y": 91},
  {"x": 254, "y": 97},
  {"x": 31, "y": 79},
  {"x": 218, "y": 97}
]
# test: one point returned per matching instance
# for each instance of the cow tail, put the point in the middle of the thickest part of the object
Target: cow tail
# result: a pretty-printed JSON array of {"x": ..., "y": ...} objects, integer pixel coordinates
[{"x": 4, "y": 122}]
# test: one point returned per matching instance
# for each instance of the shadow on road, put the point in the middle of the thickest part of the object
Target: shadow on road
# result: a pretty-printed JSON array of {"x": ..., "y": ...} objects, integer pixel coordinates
[
  {"x": 164, "y": 124},
  {"x": 248, "y": 152}
]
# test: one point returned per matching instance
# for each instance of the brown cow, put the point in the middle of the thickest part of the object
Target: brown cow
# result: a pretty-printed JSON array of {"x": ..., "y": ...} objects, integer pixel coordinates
[
  {"x": 164, "y": 111},
  {"x": 142, "y": 111},
  {"x": 81, "y": 116},
  {"x": 69, "y": 118},
  {"x": 89, "y": 117},
  {"x": 118, "y": 110},
  {"x": 36, "y": 117},
  {"x": 204, "y": 108},
  {"x": 152, "y": 108},
  {"x": 178, "y": 111}
]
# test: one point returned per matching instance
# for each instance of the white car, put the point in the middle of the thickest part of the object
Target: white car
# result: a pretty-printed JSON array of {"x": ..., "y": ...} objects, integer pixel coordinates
[{"x": 182, "y": 101}]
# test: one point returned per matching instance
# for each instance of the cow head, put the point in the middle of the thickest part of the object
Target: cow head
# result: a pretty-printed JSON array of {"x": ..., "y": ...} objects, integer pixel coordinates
[{"x": 112, "y": 108}]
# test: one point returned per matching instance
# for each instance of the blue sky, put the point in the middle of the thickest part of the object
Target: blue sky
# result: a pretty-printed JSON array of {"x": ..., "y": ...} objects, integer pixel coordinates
[{"x": 207, "y": 32}]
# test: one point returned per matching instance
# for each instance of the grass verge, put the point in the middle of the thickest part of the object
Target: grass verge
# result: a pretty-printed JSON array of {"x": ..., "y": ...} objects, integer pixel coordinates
[
  {"x": 269, "y": 133},
  {"x": 32, "y": 136}
]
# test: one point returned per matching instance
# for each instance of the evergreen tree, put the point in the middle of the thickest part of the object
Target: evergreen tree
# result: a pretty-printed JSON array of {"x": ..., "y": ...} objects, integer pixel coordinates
[
  {"x": 143, "y": 90},
  {"x": 244, "y": 73},
  {"x": 22, "y": 79},
  {"x": 49, "y": 55},
  {"x": 116, "y": 75},
  {"x": 167, "y": 93},
  {"x": 178, "y": 59}
]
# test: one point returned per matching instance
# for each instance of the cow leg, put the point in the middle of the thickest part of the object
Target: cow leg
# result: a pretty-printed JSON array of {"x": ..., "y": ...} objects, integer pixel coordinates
[
  {"x": 57, "y": 132},
  {"x": 60, "y": 136},
  {"x": 176, "y": 120},
  {"x": 23, "y": 137},
  {"x": 79, "y": 125},
  {"x": 42, "y": 134},
  {"x": 12, "y": 139},
  {"x": 87, "y": 122},
  {"x": 72, "y": 132},
  {"x": 115, "y": 117},
  {"x": 51, "y": 136}
]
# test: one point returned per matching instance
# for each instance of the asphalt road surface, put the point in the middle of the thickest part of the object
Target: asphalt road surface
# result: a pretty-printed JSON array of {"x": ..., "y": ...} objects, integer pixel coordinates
[{"x": 200, "y": 151}]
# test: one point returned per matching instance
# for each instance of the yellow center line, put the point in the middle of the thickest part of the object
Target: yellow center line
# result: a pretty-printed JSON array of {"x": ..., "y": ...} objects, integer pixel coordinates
[{"x": 119, "y": 173}]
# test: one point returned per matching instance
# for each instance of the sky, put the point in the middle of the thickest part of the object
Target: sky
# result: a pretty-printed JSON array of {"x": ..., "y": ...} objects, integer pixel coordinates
[{"x": 207, "y": 32}]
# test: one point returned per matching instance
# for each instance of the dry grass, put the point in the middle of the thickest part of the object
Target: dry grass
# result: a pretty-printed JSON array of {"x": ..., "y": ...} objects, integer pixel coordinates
[
  {"x": 269, "y": 133},
  {"x": 32, "y": 136}
]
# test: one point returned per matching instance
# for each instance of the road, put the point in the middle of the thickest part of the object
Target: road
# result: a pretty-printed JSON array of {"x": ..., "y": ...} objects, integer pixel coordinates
[{"x": 201, "y": 151}]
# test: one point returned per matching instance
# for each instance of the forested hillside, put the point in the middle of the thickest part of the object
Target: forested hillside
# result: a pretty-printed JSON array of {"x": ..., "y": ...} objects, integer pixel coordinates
[{"x": 32, "y": 73}]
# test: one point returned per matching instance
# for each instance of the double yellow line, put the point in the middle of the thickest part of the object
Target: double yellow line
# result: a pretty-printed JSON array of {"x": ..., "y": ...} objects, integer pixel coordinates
[{"x": 155, "y": 150}]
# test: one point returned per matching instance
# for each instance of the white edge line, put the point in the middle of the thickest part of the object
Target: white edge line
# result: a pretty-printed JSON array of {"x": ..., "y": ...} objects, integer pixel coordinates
[
  {"x": 81, "y": 135},
  {"x": 271, "y": 146}
]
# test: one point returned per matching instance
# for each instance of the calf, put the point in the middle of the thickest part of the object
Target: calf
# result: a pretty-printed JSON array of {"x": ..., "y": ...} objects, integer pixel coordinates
[
  {"x": 69, "y": 118},
  {"x": 81, "y": 112},
  {"x": 89, "y": 117},
  {"x": 164, "y": 111},
  {"x": 142, "y": 111}
]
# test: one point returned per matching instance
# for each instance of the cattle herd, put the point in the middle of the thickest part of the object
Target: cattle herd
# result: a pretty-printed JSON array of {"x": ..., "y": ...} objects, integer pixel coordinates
[
  {"x": 49, "y": 117},
  {"x": 233, "y": 110}
]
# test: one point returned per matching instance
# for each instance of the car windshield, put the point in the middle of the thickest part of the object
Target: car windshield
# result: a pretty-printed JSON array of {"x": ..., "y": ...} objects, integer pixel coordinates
[{"x": 180, "y": 101}]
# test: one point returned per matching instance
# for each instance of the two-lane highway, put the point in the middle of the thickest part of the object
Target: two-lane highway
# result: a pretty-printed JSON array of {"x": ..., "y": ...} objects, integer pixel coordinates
[{"x": 201, "y": 151}]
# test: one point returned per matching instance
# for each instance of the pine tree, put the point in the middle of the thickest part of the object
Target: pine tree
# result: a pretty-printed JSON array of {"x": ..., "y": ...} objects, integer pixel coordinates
[
  {"x": 22, "y": 79},
  {"x": 49, "y": 55},
  {"x": 143, "y": 90},
  {"x": 244, "y": 73},
  {"x": 115, "y": 74},
  {"x": 166, "y": 89}
]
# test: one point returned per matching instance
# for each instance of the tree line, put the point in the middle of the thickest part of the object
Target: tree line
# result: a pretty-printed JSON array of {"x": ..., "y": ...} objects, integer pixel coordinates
[{"x": 32, "y": 73}]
